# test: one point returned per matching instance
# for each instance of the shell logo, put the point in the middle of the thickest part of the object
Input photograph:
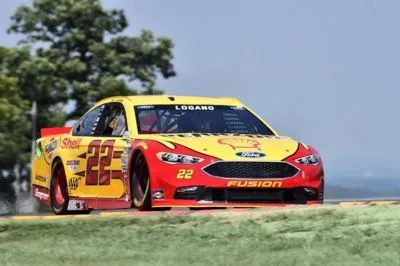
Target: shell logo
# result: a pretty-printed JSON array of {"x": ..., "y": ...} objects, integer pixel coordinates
[{"x": 236, "y": 143}]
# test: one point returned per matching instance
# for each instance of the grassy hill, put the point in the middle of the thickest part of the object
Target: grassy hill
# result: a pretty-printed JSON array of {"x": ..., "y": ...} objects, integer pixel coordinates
[{"x": 304, "y": 235}]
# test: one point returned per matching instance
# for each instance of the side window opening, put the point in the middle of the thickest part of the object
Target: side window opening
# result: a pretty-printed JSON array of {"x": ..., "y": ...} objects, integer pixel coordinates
[
  {"x": 105, "y": 120},
  {"x": 85, "y": 126},
  {"x": 114, "y": 121}
]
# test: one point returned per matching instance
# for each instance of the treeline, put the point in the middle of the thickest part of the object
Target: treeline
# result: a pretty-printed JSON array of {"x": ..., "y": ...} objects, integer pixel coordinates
[{"x": 70, "y": 52}]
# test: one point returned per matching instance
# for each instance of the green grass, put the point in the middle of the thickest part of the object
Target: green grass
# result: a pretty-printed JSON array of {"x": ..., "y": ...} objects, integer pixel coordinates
[{"x": 328, "y": 235}]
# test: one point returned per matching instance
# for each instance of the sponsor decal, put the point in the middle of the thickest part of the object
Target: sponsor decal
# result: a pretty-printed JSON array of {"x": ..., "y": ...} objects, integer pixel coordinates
[
  {"x": 259, "y": 184},
  {"x": 126, "y": 150},
  {"x": 141, "y": 107},
  {"x": 73, "y": 183},
  {"x": 49, "y": 148},
  {"x": 194, "y": 107},
  {"x": 71, "y": 144},
  {"x": 124, "y": 162},
  {"x": 41, "y": 178},
  {"x": 236, "y": 143},
  {"x": 73, "y": 164},
  {"x": 41, "y": 195},
  {"x": 157, "y": 194},
  {"x": 126, "y": 198},
  {"x": 75, "y": 205},
  {"x": 250, "y": 154},
  {"x": 125, "y": 180}
]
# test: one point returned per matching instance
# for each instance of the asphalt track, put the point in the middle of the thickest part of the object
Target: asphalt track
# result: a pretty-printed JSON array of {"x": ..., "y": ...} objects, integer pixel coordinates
[{"x": 180, "y": 211}]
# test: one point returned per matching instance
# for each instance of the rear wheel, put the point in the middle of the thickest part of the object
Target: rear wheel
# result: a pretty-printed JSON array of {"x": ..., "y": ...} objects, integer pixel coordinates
[
  {"x": 59, "y": 197},
  {"x": 58, "y": 189}
]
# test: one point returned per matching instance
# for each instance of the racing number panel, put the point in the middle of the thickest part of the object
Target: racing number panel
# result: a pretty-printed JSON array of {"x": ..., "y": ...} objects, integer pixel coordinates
[{"x": 102, "y": 156}]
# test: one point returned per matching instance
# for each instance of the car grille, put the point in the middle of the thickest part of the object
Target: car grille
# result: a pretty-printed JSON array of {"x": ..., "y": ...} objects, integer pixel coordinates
[{"x": 251, "y": 170}]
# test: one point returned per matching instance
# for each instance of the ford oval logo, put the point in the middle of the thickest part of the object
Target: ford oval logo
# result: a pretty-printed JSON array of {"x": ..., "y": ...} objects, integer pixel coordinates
[{"x": 250, "y": 154}]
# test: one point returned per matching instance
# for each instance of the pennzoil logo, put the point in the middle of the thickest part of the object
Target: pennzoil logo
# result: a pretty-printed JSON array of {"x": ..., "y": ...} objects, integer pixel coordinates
[
  {"x": 259, "y": 184},
  {"x": 238, "y": 143}
]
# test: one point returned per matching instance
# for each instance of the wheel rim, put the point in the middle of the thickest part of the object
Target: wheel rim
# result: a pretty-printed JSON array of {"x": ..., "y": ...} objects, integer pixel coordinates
[
  {"x": 142, "y": 177},
  {"x": 60, "y": 187}
]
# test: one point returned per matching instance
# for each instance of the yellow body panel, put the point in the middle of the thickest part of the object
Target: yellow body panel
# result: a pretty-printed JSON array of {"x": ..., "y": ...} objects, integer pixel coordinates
[{"x": 226, "y": 147}]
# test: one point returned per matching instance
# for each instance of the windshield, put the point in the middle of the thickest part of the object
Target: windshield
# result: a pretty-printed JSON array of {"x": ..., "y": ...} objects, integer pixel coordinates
[{"x": 198, "y": 119}]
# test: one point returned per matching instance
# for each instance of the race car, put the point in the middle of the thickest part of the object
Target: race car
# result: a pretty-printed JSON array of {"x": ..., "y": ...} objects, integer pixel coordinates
[{"x": 159, "y": 152}]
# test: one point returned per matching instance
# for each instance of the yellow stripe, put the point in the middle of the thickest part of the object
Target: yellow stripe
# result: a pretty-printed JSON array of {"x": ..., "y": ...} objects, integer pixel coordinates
[
  {"x": 23, "y": 218},
  {"x": 352, "y": 203},
  {"x": 56, "y": 217},
  {"x": 107, "y": 214},
  {"x": 383, "y": 202},
  {"x": 83, "y": 215}
]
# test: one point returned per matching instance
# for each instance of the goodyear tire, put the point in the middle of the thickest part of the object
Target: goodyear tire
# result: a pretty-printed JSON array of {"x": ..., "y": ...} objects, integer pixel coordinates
[
  {"x": 58, "y": 189},
  {"x": 140, "y": 184}
]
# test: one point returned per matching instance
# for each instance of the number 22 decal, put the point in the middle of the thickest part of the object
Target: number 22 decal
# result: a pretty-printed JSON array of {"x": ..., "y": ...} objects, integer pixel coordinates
[
  {"x": 96, "y": 174},
  {"x": 184, "y": 174}
]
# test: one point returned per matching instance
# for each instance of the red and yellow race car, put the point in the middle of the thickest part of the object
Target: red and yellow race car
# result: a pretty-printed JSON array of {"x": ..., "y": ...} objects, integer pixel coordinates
[{"x": 166, "y": 151}]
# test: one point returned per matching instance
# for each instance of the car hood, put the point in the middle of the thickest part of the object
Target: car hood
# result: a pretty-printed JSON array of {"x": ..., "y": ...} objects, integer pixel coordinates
[{"x": 239, "y": 147}]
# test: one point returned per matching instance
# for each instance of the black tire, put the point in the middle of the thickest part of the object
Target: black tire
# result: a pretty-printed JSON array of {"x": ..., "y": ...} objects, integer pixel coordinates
[
  {"x": 140, "y": 184},
  {"x": 58, "y": 179}
]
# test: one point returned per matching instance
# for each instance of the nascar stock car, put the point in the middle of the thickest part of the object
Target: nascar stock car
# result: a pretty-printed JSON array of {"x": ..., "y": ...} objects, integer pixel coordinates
[{"x": 159, "y": 152}]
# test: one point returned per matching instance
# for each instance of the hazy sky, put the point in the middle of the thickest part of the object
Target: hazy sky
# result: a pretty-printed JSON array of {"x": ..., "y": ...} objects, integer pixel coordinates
[{"x": 323, "y": 72}]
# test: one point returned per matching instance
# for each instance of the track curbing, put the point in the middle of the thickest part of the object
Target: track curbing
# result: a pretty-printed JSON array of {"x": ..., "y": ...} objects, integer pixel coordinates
[{"x": 105, "y": 214}]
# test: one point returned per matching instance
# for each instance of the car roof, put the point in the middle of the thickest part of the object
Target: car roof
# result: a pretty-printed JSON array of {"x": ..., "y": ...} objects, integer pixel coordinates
[{"x": 174, "y": 99}]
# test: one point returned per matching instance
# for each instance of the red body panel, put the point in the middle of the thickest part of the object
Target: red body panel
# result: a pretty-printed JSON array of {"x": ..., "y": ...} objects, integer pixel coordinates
[{"x": 163, "y": 177}]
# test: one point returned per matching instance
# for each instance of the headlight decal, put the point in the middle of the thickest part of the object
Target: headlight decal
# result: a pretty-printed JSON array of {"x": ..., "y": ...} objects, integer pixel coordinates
[
  {"x": 311, "y": 159},
  {"x": 174, "y": 158}
]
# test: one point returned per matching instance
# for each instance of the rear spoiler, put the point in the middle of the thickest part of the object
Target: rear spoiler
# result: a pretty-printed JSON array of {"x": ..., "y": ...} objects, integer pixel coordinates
[{"x": 51, "y": 131}]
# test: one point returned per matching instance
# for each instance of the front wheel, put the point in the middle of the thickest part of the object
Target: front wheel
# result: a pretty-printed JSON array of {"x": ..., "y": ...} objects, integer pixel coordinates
[{"x": 140, "y": 184}]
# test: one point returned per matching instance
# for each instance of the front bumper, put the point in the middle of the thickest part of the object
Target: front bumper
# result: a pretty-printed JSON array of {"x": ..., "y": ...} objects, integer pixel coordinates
[
  {"x": 198, "y": 185},
  {"x": 202, "y": 190}
]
